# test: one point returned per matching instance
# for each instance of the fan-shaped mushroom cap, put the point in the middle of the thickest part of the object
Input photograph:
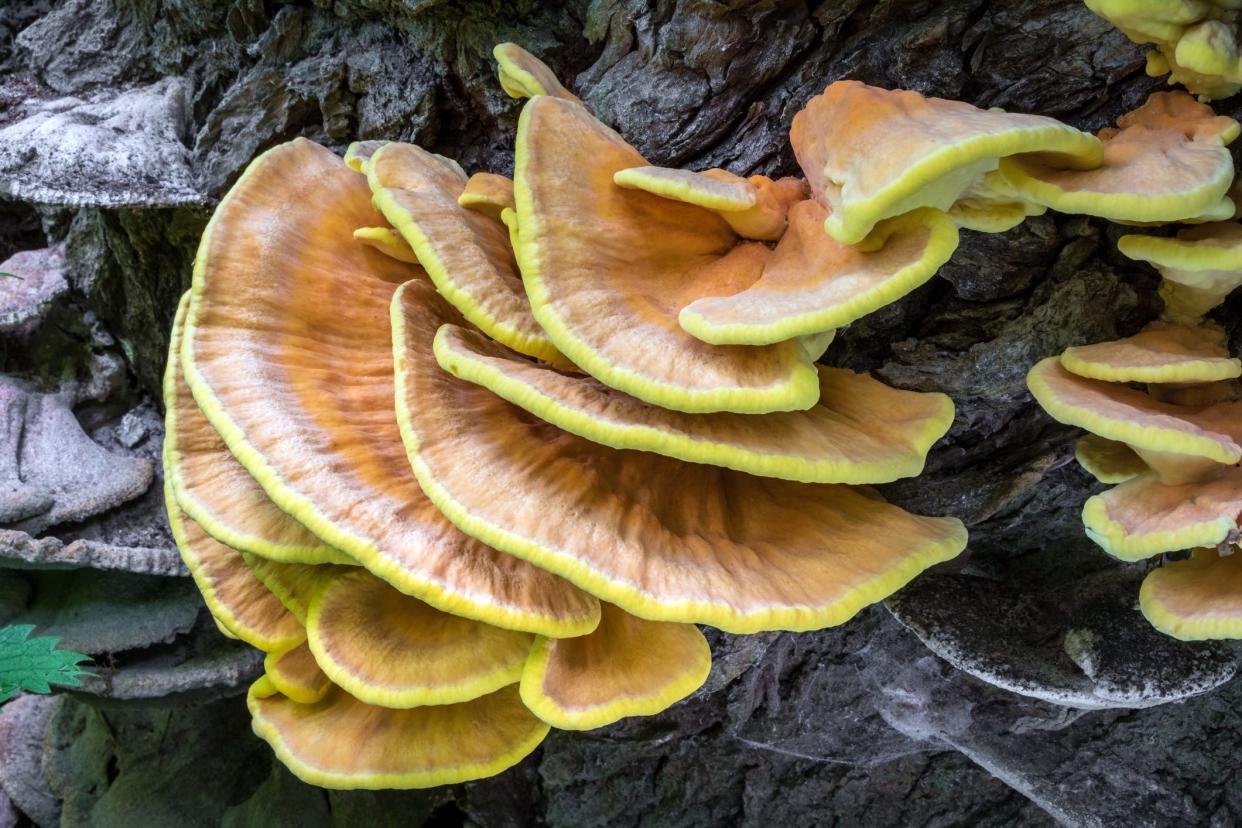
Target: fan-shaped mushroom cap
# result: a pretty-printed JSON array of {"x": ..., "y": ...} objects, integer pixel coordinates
[
  {"x": 1107, "y": 460},
  {"x": 465, "y": 252},
  {"x": 339, "y": 742},
  {"x": 1201, "y": 266},
  {"x": 813, "y": 283},
  {"x": 299, "y": 383},
  {"x": 1169, "y": 161},
  {"x": 296, "y": 674},
  {"x": 1144, "y": 517},
  {"x": 240, "y": 603},
  {"x": 1125, "y": 415},
  {"x": 392, "y": 650},
  {"x": 608, "y": 269},
  {"x": 522, "y": 75},
  {"x": 387, "y": 241},
  {"x": 626, "y": 667},
  {"x": 755, "y": 208},
  {"x": 1161, "y": 353},
  {"x": 920, "y": 152},
  {"x": 1196, "y": 599},
  {"x": 214, "y": 489},
  {"x": 488, "y": 194},
  {"x": 860, "y": 431},
  {"x": 662, "y": 539},
  {"x": 358, "y": 154},
  {"x": 1196, "y": 39}
]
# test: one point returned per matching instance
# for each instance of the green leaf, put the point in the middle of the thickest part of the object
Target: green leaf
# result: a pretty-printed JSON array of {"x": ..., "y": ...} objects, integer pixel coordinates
[
  {"x": 34, "y": 664},
  {"x": 7, "y": 275}
]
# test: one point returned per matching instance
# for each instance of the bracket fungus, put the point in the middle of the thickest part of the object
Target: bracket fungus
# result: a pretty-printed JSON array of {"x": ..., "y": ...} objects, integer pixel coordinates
[
  {"x": 447, "y": 537},
  {"x": 1174, "y": 450},
  {"x": 1168, "y": 160},
  {"x": 1196, "y": 40},
  {"x": 920, "y": 152}
]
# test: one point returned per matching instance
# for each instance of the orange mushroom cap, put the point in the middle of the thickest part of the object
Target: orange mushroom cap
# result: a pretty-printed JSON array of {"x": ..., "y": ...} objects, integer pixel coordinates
[
  {"x": 240, "y": 603},
  {"x": 488, "y": 194},
  {"x": 662, "y": 539},
  {"x": 1168, "y": 161},
  {"x": 1145, "y": 516},
  {"x": 339, "y": 742},
  {"x": 465, "y": 252},
  {"x": 389, "y": 649},
  {"x": 214, "y": 489},
  {"x": 870, "y": 154},
  {"x": 296, "y": 674},
  {"x": 625, "y": 667},
  {"x": 1107, "y": 460},
  {"x": 522, "y": 75},
  {"x": 1161, "y": 353},
  {"x": 812, "y": 283},
  {"x": 1196, "y": 599},
  {"x": 608, "y": 269},
  {"x": 860, "y": 431},
  {"x": 299, "y": 384},
  {"x": 1125, "y": 415}
]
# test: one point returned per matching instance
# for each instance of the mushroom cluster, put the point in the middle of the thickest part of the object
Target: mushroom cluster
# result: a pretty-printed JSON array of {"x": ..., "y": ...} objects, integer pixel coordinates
[
  {"x": 1196, "y": 40},
  {"x": 471, "y": 457},
  {"x": 1171, "y": 450}
]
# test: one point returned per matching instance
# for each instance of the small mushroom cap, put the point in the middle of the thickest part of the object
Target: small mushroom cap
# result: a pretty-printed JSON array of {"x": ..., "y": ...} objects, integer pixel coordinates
[
  {"x": 466, "y": 253},
  {"x": 1201, "y": 266},
  {"x": 662, "y": 539},
  {"x": 1161, "y": 353},
  {"x": 296, "y": 674},
  {"x": 860, "y": 431},
  {"x": 1116, "y": 412},
  {"x": 1168, "y": 162},
  {"x": 358, "y": 154},
  {"x": 387, "y": 241},
  {"x": 1144, "y": 517},
  {"x": 1107, "y": 460},
  {"x": 724, "y": 192},
  {"x": 608, "y": 269},
  {"x": 626, "y": 667},
  {"x": 522, "y": 75},
  {"x": 992, "y": 205},
  {"x": 488, "y": 193},
  {"x": 813, "y": 283},
  {"x": 1200, "y": 52},
  {"x": 755, "y": 208},
  {"x": 240, "y": 603},
  {"x": 214, "y": 489},
  {"x": 341, "y": 743},
  {"x": 1196, "y": 599},
  {"x": 920, "y": 152},
  {"x": 299, "y": 383},
  {"x": 388, "y": 649}
]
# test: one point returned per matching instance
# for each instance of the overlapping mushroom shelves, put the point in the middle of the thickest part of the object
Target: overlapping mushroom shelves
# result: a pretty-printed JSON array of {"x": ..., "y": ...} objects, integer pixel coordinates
[
  {"x": 471, "y": 457},
  {"x": 1164, "y": 408},
  {"x": 1196, "y": 41}
]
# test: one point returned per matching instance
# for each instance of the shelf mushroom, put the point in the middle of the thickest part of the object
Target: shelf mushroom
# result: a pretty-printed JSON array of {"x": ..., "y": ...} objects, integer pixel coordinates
[
  {"x": 447, "y": 537},
  {"x": 1173, "y": 450},
  {"x": 1168, "y": 160},
  {"x": 1196, "y": 40},
  {"x": 919, "y": 152}
]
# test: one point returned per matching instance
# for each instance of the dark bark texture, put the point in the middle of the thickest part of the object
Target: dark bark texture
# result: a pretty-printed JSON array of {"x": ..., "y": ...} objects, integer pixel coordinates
[{"x": 1016, "y": 686}]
